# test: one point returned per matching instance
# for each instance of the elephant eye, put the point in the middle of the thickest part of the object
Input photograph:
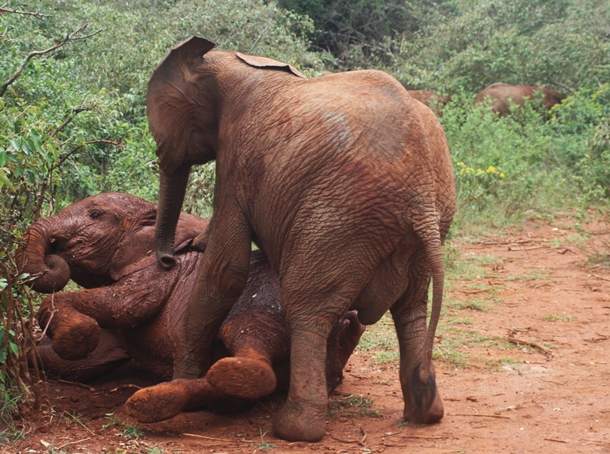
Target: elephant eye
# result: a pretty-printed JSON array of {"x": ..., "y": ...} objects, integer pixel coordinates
[{"x": 94, "y": 215}]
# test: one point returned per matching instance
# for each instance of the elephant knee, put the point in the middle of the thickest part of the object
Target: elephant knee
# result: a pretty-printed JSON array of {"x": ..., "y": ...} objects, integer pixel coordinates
[{"x": 232, "y": 283}]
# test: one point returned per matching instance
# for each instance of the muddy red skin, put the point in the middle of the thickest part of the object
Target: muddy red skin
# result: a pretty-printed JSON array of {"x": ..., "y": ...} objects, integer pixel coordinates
[
  {"x": 433, "y": 100},
  {"x": 344, "y": 181},
  {"x": 108, "y": 239},
  {"x": 503, "y": 95}
]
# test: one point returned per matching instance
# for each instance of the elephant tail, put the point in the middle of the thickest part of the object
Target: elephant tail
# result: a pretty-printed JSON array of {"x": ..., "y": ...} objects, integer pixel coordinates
[{"x": 431, "y": 238}]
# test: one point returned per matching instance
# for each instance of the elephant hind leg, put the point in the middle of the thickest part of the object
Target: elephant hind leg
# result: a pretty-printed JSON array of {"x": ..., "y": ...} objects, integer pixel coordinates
[
  {"x": 243, "y": 376},
  {"x": 255, "y": 340},
  {"x": 108, "y": 355},
  {"x": 427, "y": 405},
  {"x": 75, "y": 335},
  {"x": 166, "y": 400},
  {"x": 423, "y": 403}
]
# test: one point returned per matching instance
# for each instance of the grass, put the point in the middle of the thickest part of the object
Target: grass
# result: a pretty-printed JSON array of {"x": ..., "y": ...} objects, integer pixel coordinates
[
  {"x": 458, "y": 320},
  {"x": 380, "y": 343},
  {"x": 352, "y": 406},
  {"x": 541, "y": 275},
  {"x": 75, "y": 419},
  {"x": 155, "y": 450},
  {"x": 473, "y": 305},
  {"x": 263, "y": 445},
  {"x": 111, "y": 421},
  {"x": 558, "y": 318},
  {"x": 132, "y": 431},
  {"x": 9, "y": 400}
]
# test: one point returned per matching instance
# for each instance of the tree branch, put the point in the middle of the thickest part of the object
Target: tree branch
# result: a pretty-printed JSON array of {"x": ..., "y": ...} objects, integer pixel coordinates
[
  {"x": 69, "y": 37},
  {"x": 37, "y": 14},
  {"x": 70, "y": 117}
]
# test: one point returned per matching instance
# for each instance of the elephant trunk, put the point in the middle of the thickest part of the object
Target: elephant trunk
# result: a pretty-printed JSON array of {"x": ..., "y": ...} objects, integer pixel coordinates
[
  {"x": 51, "y": 272},
  {"x": 171, "y": 195}
]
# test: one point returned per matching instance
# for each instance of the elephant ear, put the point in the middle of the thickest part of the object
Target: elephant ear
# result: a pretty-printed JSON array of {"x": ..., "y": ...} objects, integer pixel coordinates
[
  {"x": 264, "y": 62},
  {"x": 170, "y": 85}
]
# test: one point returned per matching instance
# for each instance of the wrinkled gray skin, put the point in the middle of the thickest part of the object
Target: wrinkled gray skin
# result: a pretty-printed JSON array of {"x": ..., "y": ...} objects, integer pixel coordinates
[
  {"x": 344, "y": 181},
  {"x": 132, "y": 309}
]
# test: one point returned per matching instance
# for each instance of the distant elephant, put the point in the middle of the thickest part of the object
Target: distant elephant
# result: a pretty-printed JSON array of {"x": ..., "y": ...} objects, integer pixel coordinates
[
  {"x": 503, "y": 95},
  {"x": 432, "y": 100},
  {"x": 131, "y": 308},
  {"x": 344, "y": 181}
]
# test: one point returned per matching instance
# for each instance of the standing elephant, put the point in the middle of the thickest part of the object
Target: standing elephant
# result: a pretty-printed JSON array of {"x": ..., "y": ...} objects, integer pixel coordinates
[
  {"x": 503, "y": 95},
  {"x": 344, "y": 181},
  {"x": 130, "y": 308},
  {"x": 433, "y": 100}
]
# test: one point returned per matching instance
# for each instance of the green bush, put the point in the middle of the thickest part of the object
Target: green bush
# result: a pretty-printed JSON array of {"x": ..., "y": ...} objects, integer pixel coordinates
[{"x": 503, "y": 165}]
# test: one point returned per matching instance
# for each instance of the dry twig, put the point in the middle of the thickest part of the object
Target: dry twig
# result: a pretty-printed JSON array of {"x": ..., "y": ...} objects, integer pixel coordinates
[
  {"x": 600, "y": 277},
  {"x": 345, "y": 441},
  {"x": 480, "y": 415},
  {"x": 125, "y": 386},
  {"x": 542, "y": 348},
  {"x": 243, "y": 440},
  {"x": 556, "y": 440},
  {"x": 73, "y": 383},
  {"x": 59, "y": 448}
]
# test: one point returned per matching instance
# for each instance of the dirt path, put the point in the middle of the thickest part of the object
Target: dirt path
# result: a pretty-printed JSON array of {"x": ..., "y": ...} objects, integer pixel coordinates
[{"x": 549, "y": 393}]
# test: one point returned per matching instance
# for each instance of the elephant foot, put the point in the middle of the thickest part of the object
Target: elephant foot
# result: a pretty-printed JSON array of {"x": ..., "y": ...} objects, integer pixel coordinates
[
  {"x": 242, "y": 377},
  {"x": 75, "y": 336},
  {"x": 294, "y": 423},
  {"x": 427, "y": 406},
  {"x": 164, "y": 401}
]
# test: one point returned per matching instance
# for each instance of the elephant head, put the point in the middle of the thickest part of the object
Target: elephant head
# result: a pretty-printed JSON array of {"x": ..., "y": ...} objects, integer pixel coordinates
[{"x": 92, "y": 241}]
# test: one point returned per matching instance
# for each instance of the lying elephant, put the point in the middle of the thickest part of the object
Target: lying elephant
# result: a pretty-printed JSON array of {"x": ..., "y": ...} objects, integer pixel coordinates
[
  {"x": 503, "y": 95},
  {"x": 130, "y": 308}
]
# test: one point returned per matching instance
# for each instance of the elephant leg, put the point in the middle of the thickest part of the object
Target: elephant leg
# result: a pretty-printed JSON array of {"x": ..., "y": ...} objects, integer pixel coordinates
[
  {"x": 74, "y": 335},
  {"x": 423, "y": 403},
  {"x": 255, "y": 340},
  {"x": 303, "y": 417},
  {"x": 108, "y": 355},
  {"x": 166, "y": 400},
  {"x": 223, "y": 274}
]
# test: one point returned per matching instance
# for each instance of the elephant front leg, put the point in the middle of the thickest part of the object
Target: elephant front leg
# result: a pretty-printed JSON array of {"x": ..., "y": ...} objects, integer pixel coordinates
[
  {"x": 423, "y": 403},
  {"x": 222, "y": 276},
  {"x": 74, "y": 335}
]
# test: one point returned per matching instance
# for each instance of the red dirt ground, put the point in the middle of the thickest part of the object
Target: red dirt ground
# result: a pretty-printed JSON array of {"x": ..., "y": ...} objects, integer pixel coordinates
[{"x": 549, "y": 394}]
